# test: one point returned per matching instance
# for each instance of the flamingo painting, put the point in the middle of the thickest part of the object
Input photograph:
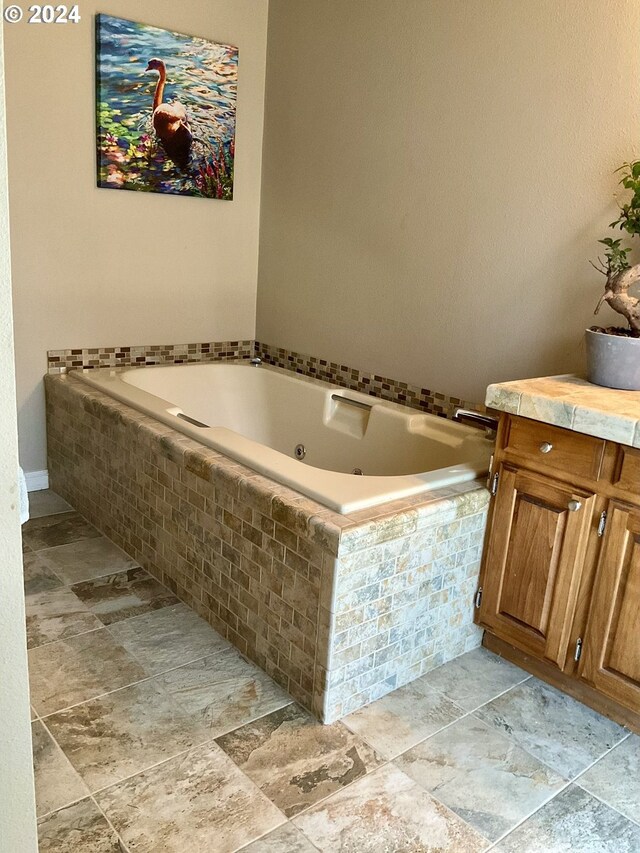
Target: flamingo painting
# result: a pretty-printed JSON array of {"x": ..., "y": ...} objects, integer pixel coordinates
[{"x": 166, "y": 110}]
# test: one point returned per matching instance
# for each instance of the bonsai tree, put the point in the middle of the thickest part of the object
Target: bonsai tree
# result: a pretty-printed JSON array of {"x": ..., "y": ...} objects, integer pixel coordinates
[{"x": 615, "y": 266}]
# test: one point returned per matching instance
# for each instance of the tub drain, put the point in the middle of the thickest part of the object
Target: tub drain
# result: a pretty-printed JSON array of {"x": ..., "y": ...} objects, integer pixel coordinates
[
  {"x": 357, "y": 471},
  {"x": 300, "y": 451}
]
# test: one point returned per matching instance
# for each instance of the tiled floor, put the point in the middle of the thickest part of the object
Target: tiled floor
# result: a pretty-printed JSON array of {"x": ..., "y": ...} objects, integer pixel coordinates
[{"x": 151, "y": 734}]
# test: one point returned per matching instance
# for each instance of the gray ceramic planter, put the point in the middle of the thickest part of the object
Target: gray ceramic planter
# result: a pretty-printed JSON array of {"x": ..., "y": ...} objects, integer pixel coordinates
[{"x": 613, "y": 361}]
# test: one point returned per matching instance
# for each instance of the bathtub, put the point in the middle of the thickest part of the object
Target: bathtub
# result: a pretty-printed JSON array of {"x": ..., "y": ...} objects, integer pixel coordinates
[
  {"x": 346, "y": 450},
  {"x": 339, "y": 608}
]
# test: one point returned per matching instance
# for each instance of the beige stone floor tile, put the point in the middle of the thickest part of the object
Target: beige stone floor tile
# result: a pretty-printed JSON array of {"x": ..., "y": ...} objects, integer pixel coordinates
[
  {"x": 50, "y": 531},
  {"x": 80, "y": 828},
  {"x": 387, "y": 811},
  {"x": 196, "y": 803},
  {"x": 224, "y": 691},
  {"x": 167, "y": 638},
  {"x": 38, "y": 576},
  {"x": 123, "y": 595},
  {"x": 574, "y": 821},
  {"x": 559, "y": 731},
  {"x": 616, "y": 778},
  {"x": 56, "y": 614},
  {"x": 475, "y": 678},
  {"x": 70, "y": 671},
  {"x": 57, "y": 783},
  {"x": 297, "y": 761},
  {"x": 125, "y": 732},
  {"x": 403, "y": 718},
  {"x": 86, "y": 559},
  {"x": 480, "y": 775},
  {"x": 46, "y": 502},
  {"x": 286, "y": 839}
]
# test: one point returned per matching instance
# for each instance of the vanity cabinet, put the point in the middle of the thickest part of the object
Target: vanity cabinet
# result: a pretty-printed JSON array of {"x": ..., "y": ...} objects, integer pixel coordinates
[{"x": 560, "y": 581}]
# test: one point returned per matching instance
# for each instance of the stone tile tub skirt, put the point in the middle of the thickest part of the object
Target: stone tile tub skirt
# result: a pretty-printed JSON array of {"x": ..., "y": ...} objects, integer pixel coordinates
[{"x": 338, "y": 609}]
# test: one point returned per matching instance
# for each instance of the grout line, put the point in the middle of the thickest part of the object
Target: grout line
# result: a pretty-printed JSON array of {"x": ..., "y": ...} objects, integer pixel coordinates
[
  {"x": 181, "y": 754},
  {"x": 530, "y": 814},
  {"x": 576, "y": 781},
  {"x": 49, "y": 514},
  {"x": 287, "y": 822},
  {"x": 463, "y": 716},
  {"x": 508, "y": 740},
  {"x": 86, "y": 796},
  {"x": 68, "y": 507},
  {"x": 64, "y": 639},
  {"x": 197, "y": 745},
  {"x": 290, "y": 700},
  {"x": 572, "y": 781},
  {"x": 73, "y": 541},
  {"x": 123, "y": 687},
  {"x": 118, "y": 622},
  {"x": 113, "y": 571},
  {"x": 482, "y": 704},
  {"x": 123, "y": 846},
  {"x": 606, "y": 803}
]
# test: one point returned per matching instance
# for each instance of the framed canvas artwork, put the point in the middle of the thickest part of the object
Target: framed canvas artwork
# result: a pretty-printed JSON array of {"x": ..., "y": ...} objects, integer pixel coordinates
[{"x": 166, "y": 110}]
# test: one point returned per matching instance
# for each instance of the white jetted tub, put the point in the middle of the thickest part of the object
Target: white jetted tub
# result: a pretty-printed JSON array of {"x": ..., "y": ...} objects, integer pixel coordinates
[{"x": 347, "y": 450}]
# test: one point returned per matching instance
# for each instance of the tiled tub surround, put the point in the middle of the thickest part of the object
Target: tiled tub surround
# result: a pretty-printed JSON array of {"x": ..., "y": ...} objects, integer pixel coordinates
[
  {"x": 394, "y": 390},
  {"x": 337, "y": 609}
]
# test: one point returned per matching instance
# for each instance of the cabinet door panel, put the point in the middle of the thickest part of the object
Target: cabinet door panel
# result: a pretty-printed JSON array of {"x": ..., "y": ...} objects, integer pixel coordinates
[
  {"x": 533, "y": 563},
  {"x": 611, "y": 657}
]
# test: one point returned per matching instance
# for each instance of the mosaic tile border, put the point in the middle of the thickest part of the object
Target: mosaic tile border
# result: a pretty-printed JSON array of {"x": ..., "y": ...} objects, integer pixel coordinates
[
  {"x": 383, "y": 387},
  {"x": 126, "y": 356}
]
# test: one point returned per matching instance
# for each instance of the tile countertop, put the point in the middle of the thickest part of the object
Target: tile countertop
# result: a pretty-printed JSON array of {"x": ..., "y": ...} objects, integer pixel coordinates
[{"x": 573, "y": 403}]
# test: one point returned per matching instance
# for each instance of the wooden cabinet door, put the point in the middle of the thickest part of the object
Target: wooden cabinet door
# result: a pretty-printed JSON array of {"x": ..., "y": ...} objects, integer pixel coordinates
[
  {"x": 533, "y": 563},
  {"x": 611, "y": 649}
]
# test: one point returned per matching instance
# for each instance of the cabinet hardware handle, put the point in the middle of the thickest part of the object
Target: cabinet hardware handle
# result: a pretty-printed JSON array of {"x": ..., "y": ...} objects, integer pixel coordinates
[
  {"x": 602, "y": 523},
  {"x": 546, "y": 447},
  {"x": 574, "y": 506}
]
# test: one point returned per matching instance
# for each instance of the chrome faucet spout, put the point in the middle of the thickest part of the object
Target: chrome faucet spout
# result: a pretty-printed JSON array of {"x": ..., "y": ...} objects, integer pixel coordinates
[{"x": 476, "y": 418}]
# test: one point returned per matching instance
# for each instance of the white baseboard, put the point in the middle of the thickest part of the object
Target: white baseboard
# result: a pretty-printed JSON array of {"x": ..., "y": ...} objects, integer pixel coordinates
[{"x": 36, "y": 480}]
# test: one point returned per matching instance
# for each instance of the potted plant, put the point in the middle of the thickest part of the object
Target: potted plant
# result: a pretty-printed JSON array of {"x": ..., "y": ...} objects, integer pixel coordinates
[{"x": 613, "y": 353}]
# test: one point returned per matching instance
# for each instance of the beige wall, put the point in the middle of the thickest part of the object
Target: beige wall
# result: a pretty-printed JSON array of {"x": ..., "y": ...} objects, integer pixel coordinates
[
  {"x": 98, "y": 267},
  {"x": 436, "y": 174},
  {"x": 17, "y": 803}
]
